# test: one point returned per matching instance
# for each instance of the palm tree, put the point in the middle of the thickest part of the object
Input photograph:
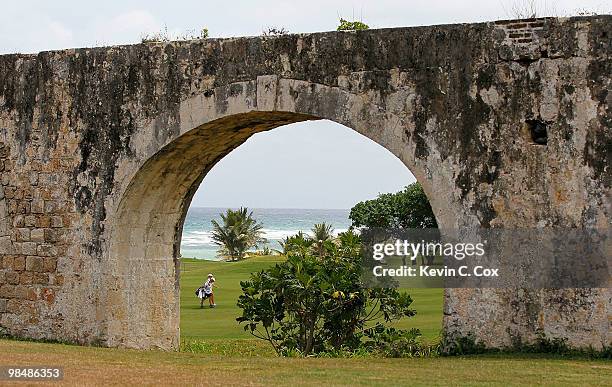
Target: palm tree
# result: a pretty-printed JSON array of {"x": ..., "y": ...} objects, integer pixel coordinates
[
  {"x": 322, "y": 232},
  {"x": 238, "y": 233}
]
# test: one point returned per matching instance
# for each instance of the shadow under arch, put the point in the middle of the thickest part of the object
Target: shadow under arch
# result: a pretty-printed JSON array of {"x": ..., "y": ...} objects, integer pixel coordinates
[{"x": 139, "y": 304}]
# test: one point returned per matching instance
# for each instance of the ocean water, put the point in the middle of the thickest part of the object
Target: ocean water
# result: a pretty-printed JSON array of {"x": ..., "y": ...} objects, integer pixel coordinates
[{"x": 278, "y": 223}]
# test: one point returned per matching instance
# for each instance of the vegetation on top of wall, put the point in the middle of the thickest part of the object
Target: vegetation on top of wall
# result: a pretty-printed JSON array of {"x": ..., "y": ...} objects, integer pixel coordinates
[
  {"x": 163, "y": 35},
  {"x": 275, "y": 31},
  {"x": 531, "y": 9},
  {"x": 346, "y": 25}
]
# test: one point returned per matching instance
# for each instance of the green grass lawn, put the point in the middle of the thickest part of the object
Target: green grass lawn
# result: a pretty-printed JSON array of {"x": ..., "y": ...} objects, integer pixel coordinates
[
  {"x": 219, "y": 352},
  {"x": 110, "y": 366},
  {"x": 220, "y": 322}
]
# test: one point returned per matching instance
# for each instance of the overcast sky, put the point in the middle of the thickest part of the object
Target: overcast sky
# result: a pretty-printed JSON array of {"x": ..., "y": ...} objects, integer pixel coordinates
[{"x": 308, "y": 165}]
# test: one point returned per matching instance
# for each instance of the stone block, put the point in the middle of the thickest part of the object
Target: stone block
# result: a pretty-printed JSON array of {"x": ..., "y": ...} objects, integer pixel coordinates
[
  {"x": 51, "y": 206},
  {"x": 37, "y": 235},
  {"x": 34, "y": 178},
  {"x": 37, "y": 206},
  {"x": 7, "y": 291},
  {"x": 19, "y": 207},
  {"x": 26, "y": 278},
  {"x": 57, "y": 221},
  {"x": 19, "y": 263},
  {"x": 29, "y": 220},
  {"x": 22, "y": 234},
  {"x": 27, "y": 248},
  {"x": 20, "y": 306},
  {"x": 13, "y": 306},
  {"x": 43, "y": 221},
  {"x": 6, "y": 245},
  {"x": 21, "y": 292},
  {"x": 50, "y": 264},
  {"x": 9, "y": 192},
  {"x": 7, "y": 262},
  {"x": 57, "y": 279},
  {"x": 18, "y": 221},
  {"x": 40, "y": 278},
  {"x": 52, "y": 235},
  {"x": 46, "y": 250},
  {"x": 12, "y": 277},
  {"x": 4, "y": 225},
  {"x": 35, "y": 264}
]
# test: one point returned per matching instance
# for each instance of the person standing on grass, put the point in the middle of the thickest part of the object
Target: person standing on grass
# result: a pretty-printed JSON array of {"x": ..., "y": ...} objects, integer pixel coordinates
[{"x": 206, "y": 291}]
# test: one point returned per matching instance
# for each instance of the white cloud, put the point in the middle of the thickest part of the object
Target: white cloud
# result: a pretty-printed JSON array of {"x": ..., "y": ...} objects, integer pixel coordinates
[
  {"x": 46, "y": 34},
  {"x": 126, "y": 27},
  {"x": 59, "y": 33}
]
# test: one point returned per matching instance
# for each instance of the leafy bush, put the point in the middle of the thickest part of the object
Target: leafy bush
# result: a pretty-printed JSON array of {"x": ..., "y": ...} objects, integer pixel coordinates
[
  {"x": 468, "y": 345},
  {"x": 392, "y": 342},
  {"x": 463, "y": 345},
  {"x": 346, "y": 25},
  {"x": 559, "y": 346},
  {"x": 298, "y": 244},
  {"x": 409, "y": 208},
  {"x": 315, "y": 303}
]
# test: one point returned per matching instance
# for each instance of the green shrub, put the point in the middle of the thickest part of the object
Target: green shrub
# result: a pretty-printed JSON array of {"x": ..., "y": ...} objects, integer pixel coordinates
[
  {"x": 463, "y": 345},
  {"x": 346, "y": 25},
  {"x": 316, "y": 302},
  {"x": 392, "y": 342},
  {"x": 468, "y": 345}
]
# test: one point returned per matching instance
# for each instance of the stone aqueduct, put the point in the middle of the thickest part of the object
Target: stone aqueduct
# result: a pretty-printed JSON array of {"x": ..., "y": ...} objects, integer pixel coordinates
[{"x": 101, "y": 150}]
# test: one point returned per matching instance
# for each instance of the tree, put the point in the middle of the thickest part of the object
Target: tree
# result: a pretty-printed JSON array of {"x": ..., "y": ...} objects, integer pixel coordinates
[
  {"x": 346, "y": 25},
  {"x": 238, "y": 233},
  {"x": 322, "y": 232},
  {"x": 311, "y": 304},
  {"x": 409, "y": 208}
]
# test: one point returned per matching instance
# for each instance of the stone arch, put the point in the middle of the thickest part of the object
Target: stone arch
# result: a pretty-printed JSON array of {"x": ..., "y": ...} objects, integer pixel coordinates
[
  {"x": 455, "y": 103},
  {"x": 140, "y": 299}
]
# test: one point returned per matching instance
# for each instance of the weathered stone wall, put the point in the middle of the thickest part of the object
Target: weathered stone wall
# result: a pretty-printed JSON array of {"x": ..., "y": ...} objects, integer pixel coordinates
[{"x": 102, "y": 149}]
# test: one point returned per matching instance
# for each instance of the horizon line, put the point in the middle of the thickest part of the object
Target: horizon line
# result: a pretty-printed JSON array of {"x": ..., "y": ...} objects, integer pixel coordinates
[{"x": 265, "y": 208}]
